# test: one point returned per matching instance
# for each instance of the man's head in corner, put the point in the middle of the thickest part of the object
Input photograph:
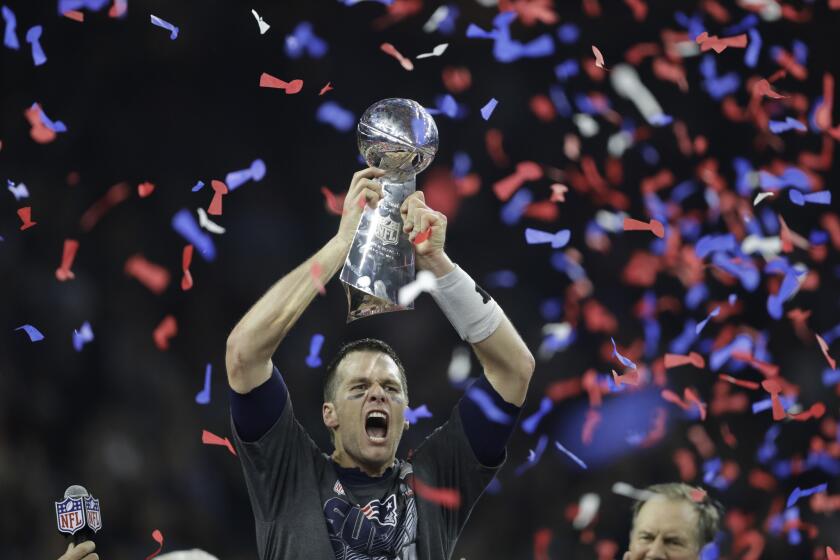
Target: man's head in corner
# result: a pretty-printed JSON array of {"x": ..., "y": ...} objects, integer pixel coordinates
[
  {"x": 365, "y": 397},
  {"x": 674, "y": 523}
]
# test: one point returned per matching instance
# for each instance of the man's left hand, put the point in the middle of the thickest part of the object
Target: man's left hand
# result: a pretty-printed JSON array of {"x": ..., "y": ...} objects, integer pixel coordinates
[{"x": 418, "y": 218}]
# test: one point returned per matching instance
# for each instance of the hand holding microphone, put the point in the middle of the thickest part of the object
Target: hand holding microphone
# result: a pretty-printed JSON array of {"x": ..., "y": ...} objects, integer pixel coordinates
[{"x": 84, "y": 551}]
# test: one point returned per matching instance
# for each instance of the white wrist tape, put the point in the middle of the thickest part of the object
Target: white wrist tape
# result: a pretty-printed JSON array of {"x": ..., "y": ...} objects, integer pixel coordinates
[{"x": 471, "y": 310}]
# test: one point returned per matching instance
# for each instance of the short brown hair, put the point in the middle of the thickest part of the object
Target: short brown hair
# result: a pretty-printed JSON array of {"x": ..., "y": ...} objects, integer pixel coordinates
[
  {"x": 709, "y": 511},
  {"x": 365, "y": 344}
]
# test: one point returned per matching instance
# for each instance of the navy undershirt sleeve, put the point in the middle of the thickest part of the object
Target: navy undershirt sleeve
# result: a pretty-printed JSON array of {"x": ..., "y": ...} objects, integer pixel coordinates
[
  {"x": 256, "y": 411},
  {"x": 487, "y": 437}
]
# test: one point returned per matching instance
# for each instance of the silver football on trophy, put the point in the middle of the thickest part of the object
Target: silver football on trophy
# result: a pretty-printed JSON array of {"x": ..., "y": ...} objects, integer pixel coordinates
[{"x": 400, "y": 137}]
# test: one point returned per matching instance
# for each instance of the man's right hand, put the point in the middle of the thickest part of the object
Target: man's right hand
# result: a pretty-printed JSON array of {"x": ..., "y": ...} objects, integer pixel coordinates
[
  {"x": 84, "y": 551},
  {"x": 362, "y": 187}
]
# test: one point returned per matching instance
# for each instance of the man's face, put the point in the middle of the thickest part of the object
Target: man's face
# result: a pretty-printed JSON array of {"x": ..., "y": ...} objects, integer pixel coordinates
[
  {"x": 368, "y": 413},
  {"x": 665, "y": 529}
]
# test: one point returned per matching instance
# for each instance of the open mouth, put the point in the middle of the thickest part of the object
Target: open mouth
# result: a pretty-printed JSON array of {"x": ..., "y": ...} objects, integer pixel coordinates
[{"x": 376, "y": 426}]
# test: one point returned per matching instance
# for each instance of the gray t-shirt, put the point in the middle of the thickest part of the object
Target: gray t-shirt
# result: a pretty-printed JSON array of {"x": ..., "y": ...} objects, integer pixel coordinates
[{"x": 302, "y": 510}]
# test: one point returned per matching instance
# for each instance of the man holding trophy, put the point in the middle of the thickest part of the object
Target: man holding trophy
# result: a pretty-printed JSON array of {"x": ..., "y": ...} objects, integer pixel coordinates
[{"x": 361, "y": 502}]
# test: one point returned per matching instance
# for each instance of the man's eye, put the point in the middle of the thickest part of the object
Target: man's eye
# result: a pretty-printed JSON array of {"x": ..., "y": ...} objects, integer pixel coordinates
[
  {"x": 393, "y": 389},
  {"x": 358, "y": 387},
  {"x": 645, "y": 537},
  {"x": 673, "y": 542}
]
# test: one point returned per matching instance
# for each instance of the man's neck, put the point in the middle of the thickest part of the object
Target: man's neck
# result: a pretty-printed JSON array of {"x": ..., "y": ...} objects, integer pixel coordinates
[{"x": 344, "y": 460}]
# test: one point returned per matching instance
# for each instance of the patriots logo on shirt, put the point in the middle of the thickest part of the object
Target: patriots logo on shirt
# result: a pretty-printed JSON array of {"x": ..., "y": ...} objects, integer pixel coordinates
[
  {"x": 384, "y": 513},
  {"x": 338, "y": 488}
]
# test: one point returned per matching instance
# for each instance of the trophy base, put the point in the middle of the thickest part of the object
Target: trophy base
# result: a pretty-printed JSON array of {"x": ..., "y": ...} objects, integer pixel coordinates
[{"x": 362, "y": 304}]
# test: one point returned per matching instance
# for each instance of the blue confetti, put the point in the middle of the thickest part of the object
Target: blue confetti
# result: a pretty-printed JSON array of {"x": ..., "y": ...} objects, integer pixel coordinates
[
  {"x": 82, "y": 336},
  {"x": 414, "y": 415},
  {"x": 702, "y": 324},
  {"x": 203, "y": 396},
  {"x": 10, "y": 34},
  {"x": 558, "y": 240},
  {"x": 488, "y": 108},
  {"x": 236, "y": 179},
  {"x": 753, "y": 48},
  {"x": 625, "y": 361},
  {"x": 514, "y": 208},
  {"x": 304, "y": 41},
  {"x": 173, "y": 31},
  {"x": 529, "y": 425},
  {"x": 571, "y": 455},
  {"x": 777, "y": 127},
  {"x": 198, "y": 186},
  {"x": 487, "y": 406},
  {"x": 313, "y": 360},
  {"x": 533, "y": 456},
  {"x": 333, "y": 114},
  {"x": 32, "y": 37},
  {"x": 33, "y": 333},
  {"x": 799, "y": 493},
  {"x": 184, "y": 223}
]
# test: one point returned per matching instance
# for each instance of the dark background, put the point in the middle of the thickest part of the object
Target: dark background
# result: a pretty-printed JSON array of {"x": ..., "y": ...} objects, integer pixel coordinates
[{"x": 120, "y": 416}]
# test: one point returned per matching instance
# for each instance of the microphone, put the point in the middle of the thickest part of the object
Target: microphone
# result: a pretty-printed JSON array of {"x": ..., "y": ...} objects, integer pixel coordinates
[{"x": 77, "y": 515}]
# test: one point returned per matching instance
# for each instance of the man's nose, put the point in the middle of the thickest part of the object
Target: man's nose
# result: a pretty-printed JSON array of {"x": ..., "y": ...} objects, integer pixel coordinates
[
  {"x": 657, "y": 550},
  {"x": 377, "y": 392}
]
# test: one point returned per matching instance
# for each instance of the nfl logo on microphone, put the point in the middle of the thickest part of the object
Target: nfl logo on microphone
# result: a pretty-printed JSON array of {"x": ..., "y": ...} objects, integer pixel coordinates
[
  {"x": 69, "y": 514},
  {"x": 73, "y": 514}
]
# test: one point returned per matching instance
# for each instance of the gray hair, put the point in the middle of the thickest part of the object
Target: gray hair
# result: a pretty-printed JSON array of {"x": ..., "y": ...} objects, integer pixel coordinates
[{"x": 708, "y": 510}]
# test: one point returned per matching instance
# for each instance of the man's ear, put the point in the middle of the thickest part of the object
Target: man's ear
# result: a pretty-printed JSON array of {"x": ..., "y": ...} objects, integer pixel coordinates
[
  {"x": 329, "y": 415},
  {"x": 407, "y": 426},
  {"x": 626, "y": 556}
]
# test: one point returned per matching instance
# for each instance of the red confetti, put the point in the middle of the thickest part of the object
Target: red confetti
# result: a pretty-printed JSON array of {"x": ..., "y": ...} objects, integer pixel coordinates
[
  {"x": 219, "y": 190},
  {"x": 186, "y": 259},
  {"x": 118, "y": 9},
  {"x": 692, "y": 397},
  {"x": 830, "y": 554},
  {"x": 768, "y": 370},
  {"x": 676, "y": 360},
  {"x": 39, "y": 132},
  {"x": 713, "y": 42},
  {"x": 158, "y": 537},
  {"x": 145, "y": 189},
  {"x": 269, "y": 81},
  {"x": 209, "y": 438},
  {"x": 25, "y": 215},
  {"x": 114, "y": 196},
  {"x": 493, "y": 141},
  {"x": 63, "y": 272},
  {"x": 824, "y": 348},
  {"x": 422, "y": 236},
  {"x": 449, "y": 498},
  {"x": 762, "y": 88},
  {"x": 655, "y": 226},
  {"x": 75, "y": 15},
  {"x": 698, "y": 495},
  {"x": 167, "y": 329},
  {"x": 315, "y": 274},
  {"x": 456, "y": 79},
  {"x": 599, "y": 58},
  {"x": 542, "y": 539},
  {"x": 545, "y": 211},
  {"x": 151, "y": 275},
  {"x": 639, "y": 9},
  {"x": 391, "y": 50},
  {"x": 684, "y": 460},
  {"x": 593, "y": 418},
  {"x": 816, "y": 412},
  {"x": 740, "y": 382},
  {"x": 525, "y": 171},
  {"x": 332, "y": 202},
  {"x": 773, "y": 387},
  {"x": 326, "y": 88}
]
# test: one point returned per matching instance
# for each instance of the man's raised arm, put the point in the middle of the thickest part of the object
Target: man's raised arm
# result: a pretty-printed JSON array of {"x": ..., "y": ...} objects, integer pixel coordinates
[
  {"x": 507, "y": 361},
  {"x": 257, "y": 335}
]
